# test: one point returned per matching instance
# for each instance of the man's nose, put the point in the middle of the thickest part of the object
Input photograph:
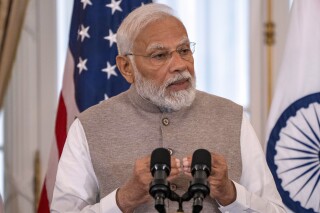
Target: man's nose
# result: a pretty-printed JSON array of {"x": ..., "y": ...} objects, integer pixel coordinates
[{"x": 176, "y": 62}]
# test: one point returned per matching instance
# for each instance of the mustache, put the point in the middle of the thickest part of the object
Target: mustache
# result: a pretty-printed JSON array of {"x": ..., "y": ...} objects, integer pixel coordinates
[{"x": 184, "y": 75}]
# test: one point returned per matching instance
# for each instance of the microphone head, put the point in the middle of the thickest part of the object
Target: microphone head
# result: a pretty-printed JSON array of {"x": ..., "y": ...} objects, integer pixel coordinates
[
  {"x": 160, "y": 157},
  {"x": 201, "y": 159}
]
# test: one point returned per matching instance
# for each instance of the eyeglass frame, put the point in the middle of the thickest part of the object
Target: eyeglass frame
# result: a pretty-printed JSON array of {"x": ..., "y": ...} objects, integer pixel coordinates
[{"x": 168, "y": 53}]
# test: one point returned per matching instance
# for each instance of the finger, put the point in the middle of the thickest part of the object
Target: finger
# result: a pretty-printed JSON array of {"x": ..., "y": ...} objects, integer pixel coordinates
[
  {"x": 218, "y": 163},
  {"x": 175, "y": 167},
  {"x": 217, "y": 160},
  {"x": 186, "y": 164},
  {"x": 142, "y": 170},
  {"x": 175, "y": 171},
  {"x": 178, "y": 165},
  {"x": 175, "y": 163}
]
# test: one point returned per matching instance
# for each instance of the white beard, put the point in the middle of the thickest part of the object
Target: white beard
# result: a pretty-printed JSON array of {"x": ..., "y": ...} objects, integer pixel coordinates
[{"x": 160, "y": 96}]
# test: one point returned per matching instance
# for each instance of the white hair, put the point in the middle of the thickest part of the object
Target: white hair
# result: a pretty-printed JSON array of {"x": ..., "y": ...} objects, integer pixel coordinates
[
  {"x": 159, "y": 96},
  {"x": 139, "y": 18}
]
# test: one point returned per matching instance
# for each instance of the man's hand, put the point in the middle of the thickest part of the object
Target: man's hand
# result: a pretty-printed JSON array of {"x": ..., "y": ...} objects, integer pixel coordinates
[
  {"x": 221, "y": 187},
  {"x": 136, "y": 190}
]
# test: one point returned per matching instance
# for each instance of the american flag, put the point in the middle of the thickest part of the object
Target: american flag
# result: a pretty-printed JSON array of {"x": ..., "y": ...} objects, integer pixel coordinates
[{"x": 90, "y": 74}]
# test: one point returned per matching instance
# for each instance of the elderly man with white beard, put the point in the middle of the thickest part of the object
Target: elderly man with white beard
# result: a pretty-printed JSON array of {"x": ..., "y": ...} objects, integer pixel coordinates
[{"x": 105, "y": 164}]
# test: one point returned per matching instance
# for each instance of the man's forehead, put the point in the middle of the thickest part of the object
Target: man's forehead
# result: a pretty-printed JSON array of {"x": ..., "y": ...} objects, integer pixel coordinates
[{"x": 162, "y": 45}]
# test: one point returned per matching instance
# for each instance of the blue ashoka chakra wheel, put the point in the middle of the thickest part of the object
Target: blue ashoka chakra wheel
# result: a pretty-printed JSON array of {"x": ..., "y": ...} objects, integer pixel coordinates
[{"x": 293, "y": 154}]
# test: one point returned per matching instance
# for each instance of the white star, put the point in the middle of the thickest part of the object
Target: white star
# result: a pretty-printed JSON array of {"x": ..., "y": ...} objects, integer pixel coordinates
[
  {"x": 111, "y": 37},
  {"x": 85, "y": 2},
  {"x": 105, "y": 97},
  {"x": 83, "y": 32},
  {"x": 82, "y": 65},
  {"x": 115, "y": 5},
  {"x": 110, "y": 70}
]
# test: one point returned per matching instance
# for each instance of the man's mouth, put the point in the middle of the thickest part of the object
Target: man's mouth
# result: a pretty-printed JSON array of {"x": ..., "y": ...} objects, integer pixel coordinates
[{"x": 181, "y": 84}]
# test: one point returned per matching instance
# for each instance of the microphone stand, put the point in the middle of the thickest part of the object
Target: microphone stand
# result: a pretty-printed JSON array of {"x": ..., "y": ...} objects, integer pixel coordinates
[
  {"x": 163, "y": 192},
  {"x": 185, "y": 197},
  {"x": 160, "y": 191},
  {"x": 175, "y": 197},
  {"x": 195, "y": 191}
]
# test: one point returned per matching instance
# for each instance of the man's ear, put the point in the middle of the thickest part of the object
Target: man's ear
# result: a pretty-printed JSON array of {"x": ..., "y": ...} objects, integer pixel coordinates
[{"x": 125, "y": 68}]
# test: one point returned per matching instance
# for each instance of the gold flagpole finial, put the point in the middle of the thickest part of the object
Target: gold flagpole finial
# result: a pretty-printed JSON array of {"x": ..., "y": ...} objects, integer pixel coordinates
[{"x": 269, "y": 41}]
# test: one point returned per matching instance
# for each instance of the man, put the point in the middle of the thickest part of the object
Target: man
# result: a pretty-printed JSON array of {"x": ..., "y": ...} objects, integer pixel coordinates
[{"x": 105, "y": 165}]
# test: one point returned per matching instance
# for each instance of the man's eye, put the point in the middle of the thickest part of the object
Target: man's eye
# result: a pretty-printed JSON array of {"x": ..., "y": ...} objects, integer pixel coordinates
[
  {"x": 159, "y": 56},
  {"x": 184, "y": 51}
]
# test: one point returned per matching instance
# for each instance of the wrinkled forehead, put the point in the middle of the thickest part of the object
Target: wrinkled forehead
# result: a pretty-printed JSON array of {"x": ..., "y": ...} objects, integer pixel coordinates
[{"x": 162, "y": 33}]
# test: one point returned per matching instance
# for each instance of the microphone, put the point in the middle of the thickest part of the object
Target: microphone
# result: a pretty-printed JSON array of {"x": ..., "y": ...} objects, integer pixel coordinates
[
  {"x": 160, "y": 167},
  {"x": 200, "y": 169}
]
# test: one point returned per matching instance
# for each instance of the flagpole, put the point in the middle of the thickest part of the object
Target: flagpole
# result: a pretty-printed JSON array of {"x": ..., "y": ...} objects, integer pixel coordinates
[{"x": 269, "y": 40}]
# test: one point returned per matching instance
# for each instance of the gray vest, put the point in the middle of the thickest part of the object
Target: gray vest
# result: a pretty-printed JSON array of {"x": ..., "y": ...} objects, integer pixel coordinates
[{"x": 127, "y": 127}]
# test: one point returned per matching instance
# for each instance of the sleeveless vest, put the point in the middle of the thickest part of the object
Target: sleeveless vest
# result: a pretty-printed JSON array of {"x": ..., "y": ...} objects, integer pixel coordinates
[{"x": 126, "y": 127}]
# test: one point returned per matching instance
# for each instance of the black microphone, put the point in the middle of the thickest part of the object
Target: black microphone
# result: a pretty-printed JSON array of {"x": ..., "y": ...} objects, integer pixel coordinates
[
  {"x": 199, "y": 187},
  {"x": 160, "y": 167}
]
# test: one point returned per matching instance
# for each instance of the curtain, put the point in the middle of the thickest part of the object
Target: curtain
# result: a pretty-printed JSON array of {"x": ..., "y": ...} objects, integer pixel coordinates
[{"x": 11, "y": 19}]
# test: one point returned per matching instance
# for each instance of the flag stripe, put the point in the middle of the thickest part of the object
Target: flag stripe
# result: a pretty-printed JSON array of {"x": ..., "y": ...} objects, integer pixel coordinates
[
  {"x": 61, "y": 125},
  {"x": 44, "y": 203}
]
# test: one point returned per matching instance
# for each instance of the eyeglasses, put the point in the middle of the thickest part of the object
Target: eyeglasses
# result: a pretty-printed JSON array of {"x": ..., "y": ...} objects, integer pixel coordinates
[{"x": 160, "y": 56}]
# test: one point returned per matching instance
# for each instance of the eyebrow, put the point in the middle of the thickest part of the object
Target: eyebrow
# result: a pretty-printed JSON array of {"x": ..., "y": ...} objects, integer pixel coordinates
[{"x": 154, "y": 46}]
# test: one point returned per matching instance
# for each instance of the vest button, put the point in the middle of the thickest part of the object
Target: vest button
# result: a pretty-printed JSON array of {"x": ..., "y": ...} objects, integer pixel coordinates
[
  {"x": 165, "y": 121},
  {"x": 173, "y": 187},
  {"x": 170, "y": 150}
]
